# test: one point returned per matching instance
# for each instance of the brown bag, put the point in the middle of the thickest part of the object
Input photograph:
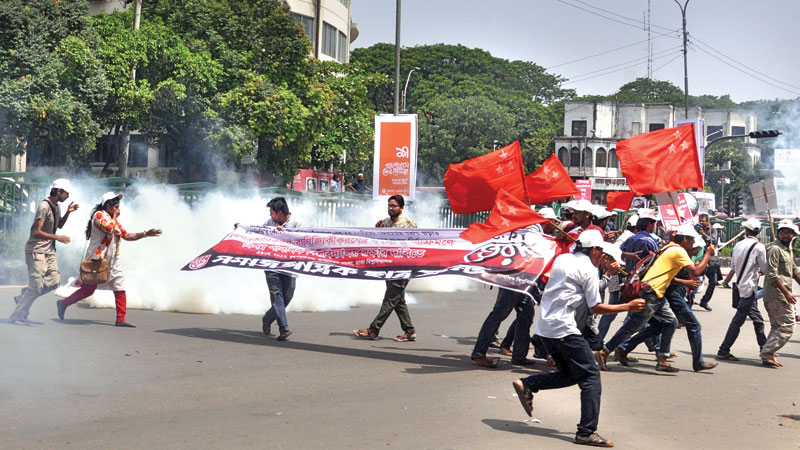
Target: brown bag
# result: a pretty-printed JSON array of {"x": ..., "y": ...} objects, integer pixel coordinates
[{"x": 94, "y": 271}]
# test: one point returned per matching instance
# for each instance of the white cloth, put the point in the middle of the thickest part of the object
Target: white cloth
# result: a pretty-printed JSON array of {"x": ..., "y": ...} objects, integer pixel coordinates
[
  {"x": 116, "y": 280},
  {"x": 749, "y": 269},
  {"x": 573, "y": 279},
  {"x": 624, "y": 237}
]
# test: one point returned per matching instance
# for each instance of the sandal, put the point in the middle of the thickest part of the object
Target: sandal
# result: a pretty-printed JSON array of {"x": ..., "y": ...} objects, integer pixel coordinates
[
  {"x": 406, "y": 337},
  {"x": 601, "y": 362},
  {"x": 594, "y": 440},
  {"x": 771, "y": 363},
  {"x": 525, "y": 396},
  {"x": 366, "y": 333}
]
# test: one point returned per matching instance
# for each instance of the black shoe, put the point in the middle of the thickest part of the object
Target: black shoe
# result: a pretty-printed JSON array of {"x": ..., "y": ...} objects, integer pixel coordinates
[
  {"x": 726, "y": 357},
  {"x": 524, "y": 362},
  {"x": 125, "y": 324},
  {"x": 61, "y": 309},
  {"x": 284, "y": 335},
  {"x": 705, "y": 306},
  {"x": 665, "y": 368},
  {"x": 266, "y": 328}
]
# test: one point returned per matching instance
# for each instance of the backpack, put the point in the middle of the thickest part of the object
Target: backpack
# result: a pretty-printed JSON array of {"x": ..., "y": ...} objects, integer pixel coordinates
[{"x": 635, "y": 287}]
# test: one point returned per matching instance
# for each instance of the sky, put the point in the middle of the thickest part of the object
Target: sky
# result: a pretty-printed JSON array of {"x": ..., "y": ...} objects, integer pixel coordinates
[{"x": 743, "y": 48}]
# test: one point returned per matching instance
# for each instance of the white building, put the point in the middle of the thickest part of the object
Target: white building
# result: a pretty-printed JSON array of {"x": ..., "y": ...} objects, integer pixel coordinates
[{"x": 592, "y": 129}]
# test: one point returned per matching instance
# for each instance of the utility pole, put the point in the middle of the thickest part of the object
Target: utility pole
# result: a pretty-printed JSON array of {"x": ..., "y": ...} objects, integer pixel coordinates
[
  {"x": 125, "y": 137},
  {"x": 397, "y": 60},
  {"x": 685, "y": 63}
]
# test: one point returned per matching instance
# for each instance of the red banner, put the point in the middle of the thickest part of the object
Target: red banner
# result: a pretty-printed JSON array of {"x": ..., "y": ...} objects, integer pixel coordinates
[
  {"x": 585, "y": 188},
  {"x": 513, "y": 260}
]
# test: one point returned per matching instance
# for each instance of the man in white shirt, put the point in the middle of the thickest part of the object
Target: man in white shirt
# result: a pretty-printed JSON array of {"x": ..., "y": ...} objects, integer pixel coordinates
[
  {"x": 749, "y": 256},
  {"x": 573, "y": 280}
]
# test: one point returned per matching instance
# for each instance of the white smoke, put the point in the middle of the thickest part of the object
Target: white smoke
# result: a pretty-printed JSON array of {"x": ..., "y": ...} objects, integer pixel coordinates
[{"x": 152, "y": 265}]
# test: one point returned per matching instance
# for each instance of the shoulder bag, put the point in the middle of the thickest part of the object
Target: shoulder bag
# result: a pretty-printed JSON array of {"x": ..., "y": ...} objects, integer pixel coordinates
[{"x": 735, "y": 290}]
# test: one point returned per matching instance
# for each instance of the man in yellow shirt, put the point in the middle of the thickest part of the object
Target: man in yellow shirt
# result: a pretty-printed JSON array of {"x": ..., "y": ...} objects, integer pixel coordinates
[{"x": 672, "y": 258}]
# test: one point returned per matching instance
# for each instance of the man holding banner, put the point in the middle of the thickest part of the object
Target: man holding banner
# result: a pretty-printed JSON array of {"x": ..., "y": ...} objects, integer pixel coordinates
[{"x": 395, "y": 297}]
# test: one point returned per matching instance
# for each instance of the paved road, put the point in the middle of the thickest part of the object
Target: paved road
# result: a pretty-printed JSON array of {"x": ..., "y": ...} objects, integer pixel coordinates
[{"x": 214, "y": 381}]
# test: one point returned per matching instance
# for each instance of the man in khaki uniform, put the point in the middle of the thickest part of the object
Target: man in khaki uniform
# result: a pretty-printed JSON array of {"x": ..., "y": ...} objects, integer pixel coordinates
[
  {"x": 778, "y": 298},
  {"x": 40, "y": 250}
]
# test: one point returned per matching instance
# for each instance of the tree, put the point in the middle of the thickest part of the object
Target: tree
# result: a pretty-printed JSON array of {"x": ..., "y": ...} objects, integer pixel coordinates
[
  {"x": 50, "y": 82},
  {"x": 741, "y": 167}
]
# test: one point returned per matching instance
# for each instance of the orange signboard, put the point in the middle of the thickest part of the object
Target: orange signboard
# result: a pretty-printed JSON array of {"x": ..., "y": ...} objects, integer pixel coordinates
[{"x": 395, "y": 162}]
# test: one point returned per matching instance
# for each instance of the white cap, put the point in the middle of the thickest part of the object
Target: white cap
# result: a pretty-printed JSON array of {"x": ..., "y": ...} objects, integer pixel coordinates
[
  {"x": 752, "y": 224},
  {"x": 61, "y": 183},
  {"x": 789, "y": 225},
  {"x": 633, "y": 220},
  {"x": 687, "y": 229},
  {"x": 570, "y": 204},
  {"x": 613, "y": 251},
  {"x": 718, "y": 226},
  {"x": 601, "y": 212},
  {"x": 590, "y": 238},
  {"x": 361, "y": 175},
  {"x": 647, "y": 213},
  {"x": 583, "y": 205},
  {"x": 110, "y": 196},
  {"x": 548, "y": 213},
  {"x": 699, "y": 242}
]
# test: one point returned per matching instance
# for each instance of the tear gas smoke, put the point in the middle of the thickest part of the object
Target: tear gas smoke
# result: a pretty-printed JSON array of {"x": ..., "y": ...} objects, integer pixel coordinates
[{"x": 152, "y": 265}]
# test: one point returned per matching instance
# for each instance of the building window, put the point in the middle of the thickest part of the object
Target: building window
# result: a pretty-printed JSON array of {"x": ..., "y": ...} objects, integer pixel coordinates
[
  {"x": 600, "y": 155},
  {"x": 715, "y": 131},
  {"x": 334, "y": 42},
  {"x": 344, "y": 2},
  {"x": 342, "y": 55},
  {"x": 308, "y": 26},
  {"x": 105, "y": 150},
  {"x": 737, "y": 130},
  {"x": 613, "y": 162},
  {"x": 575, "y": 157},
  {"x": 587, "y": 158},
  {"x": 137, "y": 151},
  {"x": 578, "y": 128},
  {"x": 656, "y": 126},
  {"x": 563, "y": 156}
]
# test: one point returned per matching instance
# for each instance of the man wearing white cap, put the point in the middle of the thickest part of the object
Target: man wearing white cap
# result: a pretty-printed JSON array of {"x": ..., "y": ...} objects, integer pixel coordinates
[
  {"x": 573, "y": 284},
  {"x": 778, "y": 297},
  {"x": 547, "y": 227},
  {"x": 669, "y": 262},
  {"x": 40, "y": 250},
  {"x": 616, "y": 282},
  {"x": 749, "y": 256}
]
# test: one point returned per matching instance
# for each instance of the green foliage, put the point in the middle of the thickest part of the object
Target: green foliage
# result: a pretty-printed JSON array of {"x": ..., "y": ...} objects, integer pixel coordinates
[{"x": 742, "y": 168}]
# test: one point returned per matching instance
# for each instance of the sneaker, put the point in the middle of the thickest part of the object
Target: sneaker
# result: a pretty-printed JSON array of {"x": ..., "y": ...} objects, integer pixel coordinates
[
  {"x": 726, "y": 357},
  {"x": 61, "y": 309},
  {"x": 284, "y": 335},
  {"x": 405, "y": 337}
]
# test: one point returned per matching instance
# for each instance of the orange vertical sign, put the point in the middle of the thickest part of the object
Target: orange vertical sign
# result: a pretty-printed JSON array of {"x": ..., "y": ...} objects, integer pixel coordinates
[{"x": 395, "y": 161}]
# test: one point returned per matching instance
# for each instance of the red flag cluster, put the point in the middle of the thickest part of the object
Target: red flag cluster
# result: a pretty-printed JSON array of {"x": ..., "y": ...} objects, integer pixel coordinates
[{"x": 508, "y": 214}]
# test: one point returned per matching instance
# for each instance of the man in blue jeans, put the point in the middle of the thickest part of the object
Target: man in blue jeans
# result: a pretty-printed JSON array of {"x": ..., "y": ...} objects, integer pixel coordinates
[
  {"x": 573, "y": 284},
  {"x": 670, "y": 261},
  {"x": 746, "y": 267},
  {"x": 507, "y": 301},
  {"x": 281, "y": 286}
]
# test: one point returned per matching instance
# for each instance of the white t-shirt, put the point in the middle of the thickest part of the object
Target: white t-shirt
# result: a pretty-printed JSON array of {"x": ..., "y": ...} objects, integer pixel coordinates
[{"x": 573, "y": 279}]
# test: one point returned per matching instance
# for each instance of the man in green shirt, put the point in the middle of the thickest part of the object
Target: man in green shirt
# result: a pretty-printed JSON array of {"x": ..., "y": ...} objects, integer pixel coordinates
[{"x": 778, "y": 298}]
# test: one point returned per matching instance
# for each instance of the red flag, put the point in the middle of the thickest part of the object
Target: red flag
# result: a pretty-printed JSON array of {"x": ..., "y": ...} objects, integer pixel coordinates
[
  {"x": 619, "y": 200},
  {"x": 550, "y": 182},
  {"x": 661, "y": 161},
  {"x": 472, "y": 185},
  {"x": 508, "y": 214}
]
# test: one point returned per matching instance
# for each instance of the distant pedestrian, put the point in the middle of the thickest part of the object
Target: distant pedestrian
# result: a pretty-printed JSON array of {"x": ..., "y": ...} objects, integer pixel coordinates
[
  {"x": 335, "y": 185},
  {"x": 359, "y": 186},
  {"x": 749, "y": 257},
  {"x": 573, "y": 283},
  {"x": 395, "y": 297},
  {"x": 778, "y": 297},
  {"x": 40, "y": 250},
  {"x": 105, "y": 232},
  {"x": 281, "y": 286}
]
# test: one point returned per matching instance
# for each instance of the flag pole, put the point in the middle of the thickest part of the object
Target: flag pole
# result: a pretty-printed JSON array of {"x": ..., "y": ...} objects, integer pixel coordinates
[
  {"x": 563, "y": 232},
  {"x": 769, "y": 212},
  {"x": 731, "y": 240}
]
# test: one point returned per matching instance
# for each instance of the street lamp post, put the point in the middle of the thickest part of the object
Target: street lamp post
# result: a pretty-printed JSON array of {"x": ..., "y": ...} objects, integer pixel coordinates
[
  {"x": 405, "y": 88},
  {"x": 685, "y": 61}
]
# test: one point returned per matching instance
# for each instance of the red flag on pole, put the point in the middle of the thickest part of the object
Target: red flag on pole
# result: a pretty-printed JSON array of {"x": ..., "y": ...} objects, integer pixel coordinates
[
  {"x": 619, "y": 200},
  {"x": 508, "y": 214},
  {"x": 472, "y": 185},
  {"x": 661, "y": 161},
  {"x": 550, "y": 182}
]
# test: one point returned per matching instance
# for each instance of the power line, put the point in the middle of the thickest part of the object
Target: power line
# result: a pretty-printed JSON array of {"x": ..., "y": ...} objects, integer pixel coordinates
[
  {"x": 745, "y": 72},
  {"x": 598, "y": 54},
  {"x": 638, "y": 26},
  {"x": 741, "y": 63},
  {"x": 584, "y": 77},
  {"x": 666, "y": 63},
  {"x": 624, "y": 63},
  {"x": 618, "y": 15}
]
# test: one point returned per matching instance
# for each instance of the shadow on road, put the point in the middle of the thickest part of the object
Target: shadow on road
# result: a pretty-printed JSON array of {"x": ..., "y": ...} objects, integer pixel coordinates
[
  {"x": 429, "y": 364},
  {"x": 524, "y": 428}
]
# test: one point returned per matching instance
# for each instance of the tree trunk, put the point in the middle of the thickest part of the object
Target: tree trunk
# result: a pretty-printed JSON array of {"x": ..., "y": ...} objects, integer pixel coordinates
[{"x": 124, "y": 146}]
